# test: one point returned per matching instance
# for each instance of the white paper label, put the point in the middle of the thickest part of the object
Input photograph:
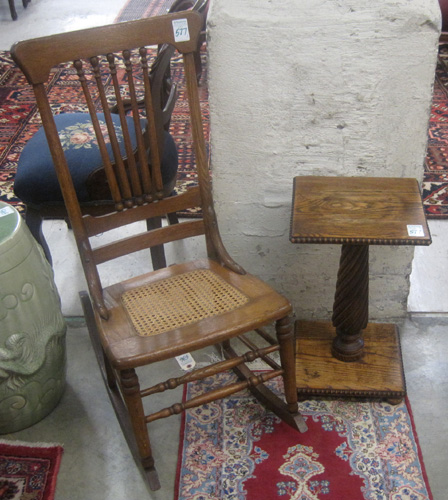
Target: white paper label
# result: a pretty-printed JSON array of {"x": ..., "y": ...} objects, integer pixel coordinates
[
  {"x": 180, "y": 28},
  {"x": 416, "y": 230},
  {"x": 186, "y": 361},
  {"x": 6, "y": 211}
]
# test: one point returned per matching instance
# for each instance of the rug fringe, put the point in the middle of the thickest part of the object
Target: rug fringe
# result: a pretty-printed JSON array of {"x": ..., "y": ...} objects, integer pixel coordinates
[{"x": 16, "y": 442}]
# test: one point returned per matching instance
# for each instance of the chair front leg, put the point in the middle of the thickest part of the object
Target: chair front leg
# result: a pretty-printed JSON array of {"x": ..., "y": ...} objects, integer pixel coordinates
[
  {"x": 285, "y": 335},
  {"x": 130, "y": 389}
]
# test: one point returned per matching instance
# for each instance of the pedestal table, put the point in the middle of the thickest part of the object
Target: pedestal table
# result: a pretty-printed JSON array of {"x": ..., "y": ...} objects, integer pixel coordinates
[{"x": 349, "y": 356}]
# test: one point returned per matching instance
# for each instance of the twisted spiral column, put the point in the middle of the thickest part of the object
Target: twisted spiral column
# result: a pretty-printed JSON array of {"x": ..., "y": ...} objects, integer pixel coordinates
[{"x": 351, "y": 303}]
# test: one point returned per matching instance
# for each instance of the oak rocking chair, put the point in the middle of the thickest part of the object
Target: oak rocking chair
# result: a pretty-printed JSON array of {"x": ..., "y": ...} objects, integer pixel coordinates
[{"x": 177, "y": 309}]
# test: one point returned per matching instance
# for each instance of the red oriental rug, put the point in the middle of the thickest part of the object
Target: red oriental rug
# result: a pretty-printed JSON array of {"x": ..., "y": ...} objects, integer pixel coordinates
[
  {"x": 138, "y": 9},
  {"x": 28, "y": 471},
  {"x": 435, "y": 182},
  {"x": 235, "y": 449}
]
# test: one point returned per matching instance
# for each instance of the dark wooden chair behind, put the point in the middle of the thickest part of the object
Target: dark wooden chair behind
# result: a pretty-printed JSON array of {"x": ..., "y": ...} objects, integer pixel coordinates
[
  {"x": 181, "y": 308},
  {"x": 12, "y": 7},
  {"x": 36, "y": 181},
  {"x": 202, "y": 7}
]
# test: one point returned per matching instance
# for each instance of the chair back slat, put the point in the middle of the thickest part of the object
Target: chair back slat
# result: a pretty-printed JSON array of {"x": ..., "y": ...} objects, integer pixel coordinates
[
  {"x": 141, "y": 241},
  {"x": 143, "y": 184},
  {"x": 120, "y": 169},
  {"x": 133, "y": 180},
  {"x": 154, "y": 144},
  {"x": 106, "y": 222}
]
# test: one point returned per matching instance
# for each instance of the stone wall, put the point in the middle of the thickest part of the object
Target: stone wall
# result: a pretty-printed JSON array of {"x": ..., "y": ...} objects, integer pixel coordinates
[{"x": 314, "y": 87}]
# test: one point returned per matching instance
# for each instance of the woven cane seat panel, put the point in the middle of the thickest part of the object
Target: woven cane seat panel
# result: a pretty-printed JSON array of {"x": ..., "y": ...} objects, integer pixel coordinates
[{"x": 180, "y": 300}]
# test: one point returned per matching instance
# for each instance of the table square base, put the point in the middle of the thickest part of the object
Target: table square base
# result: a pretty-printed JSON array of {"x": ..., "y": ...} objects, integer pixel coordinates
[{"x": 378, "y": 374}]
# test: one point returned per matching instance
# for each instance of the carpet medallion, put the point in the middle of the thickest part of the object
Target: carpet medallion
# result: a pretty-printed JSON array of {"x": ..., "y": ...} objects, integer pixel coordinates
[
  {"x": 235, "y": 449},
  {"x": 28, "y": 471}
]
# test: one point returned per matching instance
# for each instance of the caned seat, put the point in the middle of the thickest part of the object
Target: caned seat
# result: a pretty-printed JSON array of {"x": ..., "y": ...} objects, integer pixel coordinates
[
  {"x": 177, "y": 309},
  {"x": 158, "y": 313}
]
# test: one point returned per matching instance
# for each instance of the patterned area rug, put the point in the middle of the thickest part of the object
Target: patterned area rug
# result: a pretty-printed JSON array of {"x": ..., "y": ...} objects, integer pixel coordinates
[
  {"x": 138, "y": 9},
  {"x": 28, "y": 471},
  {"x": 235, "y": 449},
  {"x": 435, "y": 183},
  {"x": 19, "y": 119}
]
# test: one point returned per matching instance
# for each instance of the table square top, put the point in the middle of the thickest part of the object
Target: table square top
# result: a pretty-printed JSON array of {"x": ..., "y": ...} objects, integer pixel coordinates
[{"x": 358, "y": 210}]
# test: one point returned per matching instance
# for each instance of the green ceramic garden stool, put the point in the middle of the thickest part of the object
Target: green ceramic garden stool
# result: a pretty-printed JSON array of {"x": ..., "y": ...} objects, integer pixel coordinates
[{"x": 32, "y": 328}]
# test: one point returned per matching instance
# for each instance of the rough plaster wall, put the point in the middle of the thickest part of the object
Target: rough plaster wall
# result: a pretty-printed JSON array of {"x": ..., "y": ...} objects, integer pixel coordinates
[{"x": 321, "y": 87}]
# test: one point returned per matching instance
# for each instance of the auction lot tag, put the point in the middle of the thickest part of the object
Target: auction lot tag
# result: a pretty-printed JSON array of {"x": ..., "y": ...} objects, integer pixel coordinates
[
  {"x": 186, "y": 361},
  {"x": 180, "y": 28},
  {"x": 415, "y": 230}
]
